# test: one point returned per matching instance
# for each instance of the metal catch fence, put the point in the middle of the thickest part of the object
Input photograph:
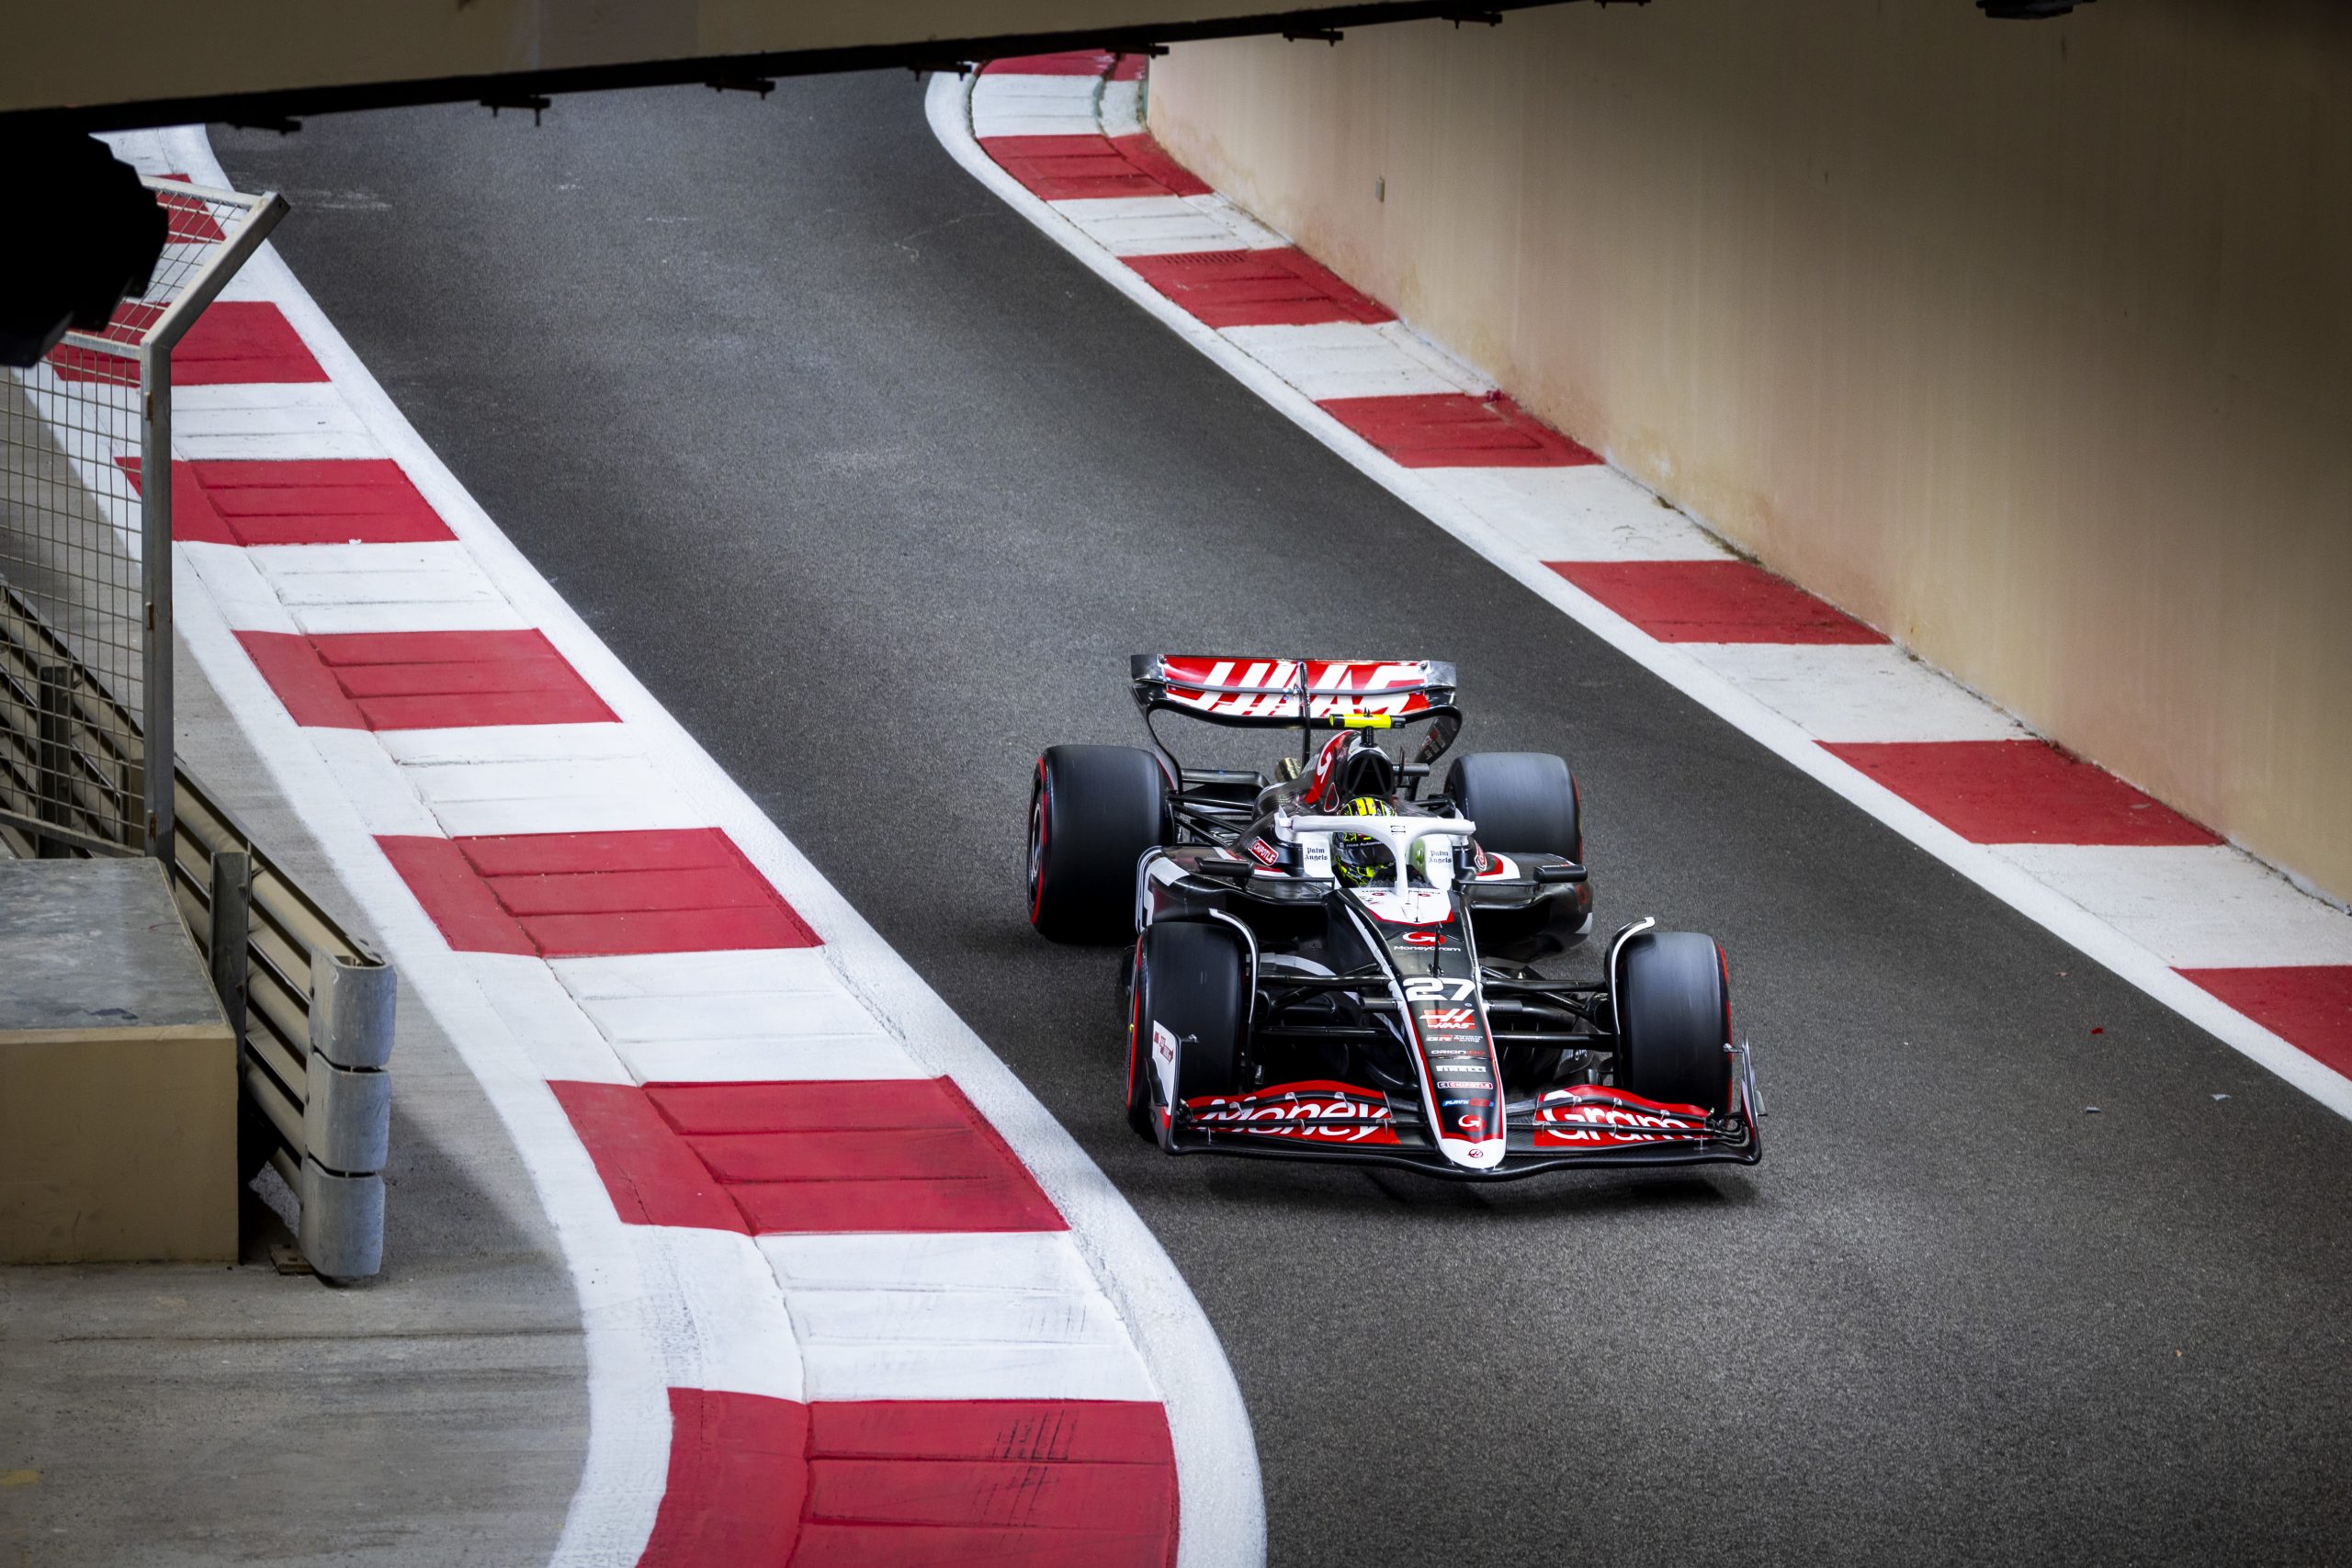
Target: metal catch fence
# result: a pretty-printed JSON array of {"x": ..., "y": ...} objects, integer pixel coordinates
[
  {"x": 86, "y": 764},
  {"x": 86, "y": 558}
]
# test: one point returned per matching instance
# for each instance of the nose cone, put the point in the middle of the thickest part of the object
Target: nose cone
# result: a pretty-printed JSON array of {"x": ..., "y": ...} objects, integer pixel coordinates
[{"x": 1483, "y": 1155}]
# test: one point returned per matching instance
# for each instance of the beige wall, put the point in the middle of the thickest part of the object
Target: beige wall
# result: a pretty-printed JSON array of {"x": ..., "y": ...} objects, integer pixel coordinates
[
  {"x": 2030, "y": 343},
  {"x": 118, "y": 1146}
]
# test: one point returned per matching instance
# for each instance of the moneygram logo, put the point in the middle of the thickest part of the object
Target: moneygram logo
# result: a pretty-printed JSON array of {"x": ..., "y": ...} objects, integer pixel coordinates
[
  {"x": 1308, "y": 1112},
  {"x": 1601, "y": 1118}
]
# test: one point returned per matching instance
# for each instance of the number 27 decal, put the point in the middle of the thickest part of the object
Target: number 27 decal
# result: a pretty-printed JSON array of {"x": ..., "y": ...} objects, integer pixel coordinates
[{"x": 1440, "y": 990}]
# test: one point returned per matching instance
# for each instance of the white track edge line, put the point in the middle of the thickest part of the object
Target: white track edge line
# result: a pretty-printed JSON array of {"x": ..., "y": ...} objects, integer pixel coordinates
[
  {"x": 1221, "y": 1501},
  {"x": 611, "y": 1515},
  {"x": 626, "y": 1466},
  {"x": 947, "y": 104}
]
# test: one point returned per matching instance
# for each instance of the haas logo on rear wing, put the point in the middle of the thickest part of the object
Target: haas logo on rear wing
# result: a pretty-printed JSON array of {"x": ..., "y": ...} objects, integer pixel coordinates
[{"x": 1268, "y": 691}]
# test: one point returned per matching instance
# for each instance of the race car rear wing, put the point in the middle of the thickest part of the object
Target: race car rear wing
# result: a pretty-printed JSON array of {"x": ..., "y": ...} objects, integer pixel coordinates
[{"x": 1292, "y": 694}]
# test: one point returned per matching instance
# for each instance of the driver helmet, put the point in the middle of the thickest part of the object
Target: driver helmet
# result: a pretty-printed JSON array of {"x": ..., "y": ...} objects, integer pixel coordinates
[{"x": 1360, "y": 857}]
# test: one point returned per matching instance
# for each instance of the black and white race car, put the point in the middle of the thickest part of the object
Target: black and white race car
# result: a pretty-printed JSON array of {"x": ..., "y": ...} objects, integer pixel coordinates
[{"x": 1333, "y": 963}]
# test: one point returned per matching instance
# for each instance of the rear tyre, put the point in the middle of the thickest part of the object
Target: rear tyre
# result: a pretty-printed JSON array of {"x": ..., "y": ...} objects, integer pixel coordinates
[
  {"x": 1522, "y": 801},
  {"x": 1191, "y": 979},
  {"x": 1674, "y": 1020},
  {"x": 1092, "y": 812}
]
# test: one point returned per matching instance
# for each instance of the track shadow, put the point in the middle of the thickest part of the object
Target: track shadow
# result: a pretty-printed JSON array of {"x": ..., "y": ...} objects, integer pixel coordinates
[{"x": 1345, "y": 1192}]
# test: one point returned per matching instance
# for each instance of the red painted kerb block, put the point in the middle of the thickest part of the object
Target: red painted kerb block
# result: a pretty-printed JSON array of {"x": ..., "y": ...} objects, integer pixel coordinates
[
  {"x": 233, "y": 342},
  {"x": 2019, "y": 791},
  {"x": 1084, "y": 167},
  {"x": 2307, "y": 1005},
  {"x": 382, "y": 681},
  {"x": 1713, "y": 601},
  {"x": 581, "y": 895},
  {"x": 344, "y": 501},
  {"x": 1275, "y": 288},
  {"x": 816, "y": 1156},
  {"x": 757, "y": 1482},
  {"x": 1454, "y": 430}
]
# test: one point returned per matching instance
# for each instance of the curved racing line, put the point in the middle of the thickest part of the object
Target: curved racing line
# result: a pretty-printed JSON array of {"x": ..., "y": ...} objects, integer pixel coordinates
[
  {"x": 722, "y": 1369},
  {"x": 2274, "y": 984}
]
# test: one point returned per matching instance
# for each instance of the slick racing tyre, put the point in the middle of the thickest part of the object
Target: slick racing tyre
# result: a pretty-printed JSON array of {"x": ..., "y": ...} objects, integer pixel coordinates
[
  {"x": 1674, "y": 1019},
  {"x": 1092, "y": 812},
  {"x": 1522, "y": 801},
  {"x": 1192, "y": 980}
]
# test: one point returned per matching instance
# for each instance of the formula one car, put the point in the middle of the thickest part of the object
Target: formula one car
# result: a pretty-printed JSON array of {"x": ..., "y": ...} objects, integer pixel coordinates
[{"x": 1331, "y": 964}]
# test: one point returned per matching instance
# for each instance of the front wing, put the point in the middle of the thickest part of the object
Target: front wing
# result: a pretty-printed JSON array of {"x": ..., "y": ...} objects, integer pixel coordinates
[{"x": 1581, "y": 1125}]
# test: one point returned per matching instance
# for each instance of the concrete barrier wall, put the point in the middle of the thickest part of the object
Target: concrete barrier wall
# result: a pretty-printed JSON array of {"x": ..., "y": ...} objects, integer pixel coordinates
[
  {"x": 2030, "y": 343},
  {"x": 117, "y": 1073}
]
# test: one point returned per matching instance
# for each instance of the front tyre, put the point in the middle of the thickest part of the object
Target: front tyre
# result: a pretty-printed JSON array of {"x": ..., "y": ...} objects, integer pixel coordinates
[
  {"x": 1674, "y": 1020},
  {"x": 1092, "y": 812},
  {"x": 1192, "y": 986}
]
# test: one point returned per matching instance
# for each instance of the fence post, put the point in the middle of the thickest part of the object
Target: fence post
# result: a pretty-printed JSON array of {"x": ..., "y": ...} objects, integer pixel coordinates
[
  {"x": 346, "y": 1116},
  {"x": 51, "y": 798},
  {"x": 155, "y": 748}
]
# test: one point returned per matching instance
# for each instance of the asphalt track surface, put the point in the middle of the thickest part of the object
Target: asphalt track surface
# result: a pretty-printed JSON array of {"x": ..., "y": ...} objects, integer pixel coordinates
[{"x": 876, "y": 489}]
